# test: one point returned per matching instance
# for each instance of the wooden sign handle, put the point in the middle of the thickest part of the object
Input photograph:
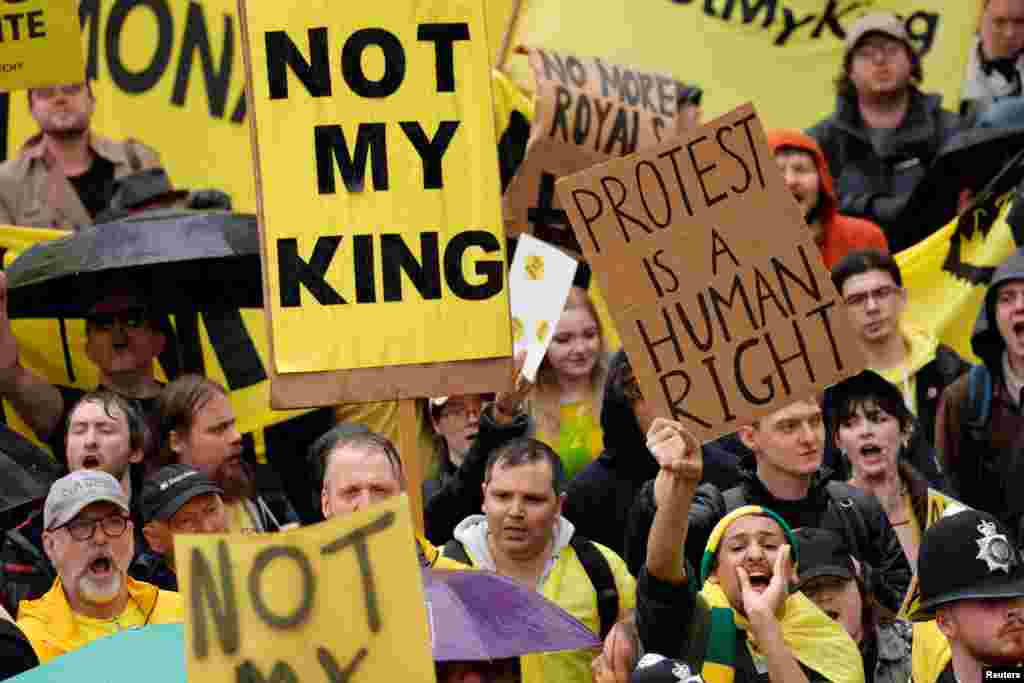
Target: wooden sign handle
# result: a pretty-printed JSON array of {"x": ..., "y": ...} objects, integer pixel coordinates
[{"x": 413, "y": 462}]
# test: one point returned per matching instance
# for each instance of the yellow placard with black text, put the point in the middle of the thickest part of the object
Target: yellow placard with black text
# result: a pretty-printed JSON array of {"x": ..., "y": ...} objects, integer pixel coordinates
[
  {"x": 40, "y": 44},
  {"x": 337, "y": 601},
  {"x": 378, "y": 183}
]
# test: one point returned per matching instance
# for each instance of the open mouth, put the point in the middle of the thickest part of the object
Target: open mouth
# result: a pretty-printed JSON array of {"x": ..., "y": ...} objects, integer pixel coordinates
[
  {"x": 759, "y": 582},
  {"x": 101, "y": 566},
  {"x": 90, "y": 462},
  {"x": 1018, "y": 327},
  {"x": 871, "y": 451}
]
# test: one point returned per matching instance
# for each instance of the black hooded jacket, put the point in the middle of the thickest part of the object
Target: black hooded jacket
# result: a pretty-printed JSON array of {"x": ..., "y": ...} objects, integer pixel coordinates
[
  {"x": 984, "y": 461},
  {"x": 850, "y": 512},
  {"x": 599, "y": 498}
]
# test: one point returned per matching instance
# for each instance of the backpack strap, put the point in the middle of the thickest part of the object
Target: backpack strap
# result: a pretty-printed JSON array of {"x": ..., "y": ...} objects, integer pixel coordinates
[
  {"x": 979, "y": 402},
  {"x": 454, "y": 550},
  {"x": 595, "y": 564}
]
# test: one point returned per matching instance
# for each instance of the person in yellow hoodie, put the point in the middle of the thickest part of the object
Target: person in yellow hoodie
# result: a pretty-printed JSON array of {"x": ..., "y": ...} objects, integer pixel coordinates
[
  {"x": 871, "y": 285},
  {"x": 89, "y": 536}
]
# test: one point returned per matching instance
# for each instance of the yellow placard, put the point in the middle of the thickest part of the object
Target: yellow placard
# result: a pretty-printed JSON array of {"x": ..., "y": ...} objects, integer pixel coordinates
[
  {"x": 40, "y": 44},
  {"x": 763, "y": 51},
  {"x": 337, "y": 601},
  {"x": 378, "y": 183}
]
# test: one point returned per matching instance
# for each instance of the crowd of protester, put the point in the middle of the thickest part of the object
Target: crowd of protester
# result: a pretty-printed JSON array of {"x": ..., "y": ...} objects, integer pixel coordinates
[{"x": 869, "y": 533}]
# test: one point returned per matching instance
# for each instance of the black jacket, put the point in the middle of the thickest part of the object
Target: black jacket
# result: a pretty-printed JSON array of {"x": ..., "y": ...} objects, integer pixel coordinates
[
  {"x": 850, "y": 512},
  {"x": 877, "y": 186},
  {"x": 462, "y": 495},
  {"x": 599, "y": 498},
  {"x": 16, "y": 653}
]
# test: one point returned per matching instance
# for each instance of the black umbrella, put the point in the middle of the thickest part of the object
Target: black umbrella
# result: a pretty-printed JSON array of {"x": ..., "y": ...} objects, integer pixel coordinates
[
  {"x": 971, "y": 159},
  {"x": 26, "y": 471},
  {"x": 184, "y": 260}
]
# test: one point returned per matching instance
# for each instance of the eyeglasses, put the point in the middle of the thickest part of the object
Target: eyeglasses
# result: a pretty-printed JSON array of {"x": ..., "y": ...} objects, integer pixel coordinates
[
  {"x": 132, "y": 319},
  {"x": 461, "y": 410},
  {"x": 114, "y": 526},
  {"x": 889, "y": 49},
  {"x": 49, "y": 93},
  {"x": 880, "y": 295}
]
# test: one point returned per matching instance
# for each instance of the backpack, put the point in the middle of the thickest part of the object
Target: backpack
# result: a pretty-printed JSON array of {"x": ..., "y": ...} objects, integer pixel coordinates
[
  {"x": 594, "y": 564},
  {"x": 25, "y": 572}
]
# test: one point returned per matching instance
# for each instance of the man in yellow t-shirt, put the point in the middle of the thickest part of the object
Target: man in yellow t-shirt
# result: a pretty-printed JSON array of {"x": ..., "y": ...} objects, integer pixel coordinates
[
  {"x": 363, "y": 468},
  {"x": 89, "y": 536}
]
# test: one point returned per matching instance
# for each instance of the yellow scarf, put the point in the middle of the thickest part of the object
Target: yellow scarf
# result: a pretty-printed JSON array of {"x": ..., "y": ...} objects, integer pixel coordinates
[{"x": 819, "y": 643}]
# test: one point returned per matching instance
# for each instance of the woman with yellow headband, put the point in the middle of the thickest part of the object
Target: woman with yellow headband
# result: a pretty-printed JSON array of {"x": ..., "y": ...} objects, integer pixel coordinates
[{"x": 744, "y": 625}]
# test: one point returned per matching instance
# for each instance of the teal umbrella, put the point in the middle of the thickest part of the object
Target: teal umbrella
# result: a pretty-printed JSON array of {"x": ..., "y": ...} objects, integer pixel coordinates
[{"x": 154, "y": 654}]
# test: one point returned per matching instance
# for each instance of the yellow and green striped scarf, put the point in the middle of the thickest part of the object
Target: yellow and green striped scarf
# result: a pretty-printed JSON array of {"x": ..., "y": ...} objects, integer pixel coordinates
[{"x": 816, "y": 641}]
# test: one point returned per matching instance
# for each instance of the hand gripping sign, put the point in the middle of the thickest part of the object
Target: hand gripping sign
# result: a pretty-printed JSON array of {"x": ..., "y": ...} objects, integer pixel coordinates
[
  {"x": 341, "y": 601},
  {"x": 722, "y": 300}
]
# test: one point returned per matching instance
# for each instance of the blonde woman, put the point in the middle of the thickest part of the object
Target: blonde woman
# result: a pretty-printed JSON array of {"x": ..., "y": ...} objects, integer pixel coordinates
[{"x": 566, "y": 401}]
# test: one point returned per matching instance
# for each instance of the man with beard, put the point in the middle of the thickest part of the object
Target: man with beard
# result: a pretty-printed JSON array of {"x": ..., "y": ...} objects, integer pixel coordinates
[
  {"x": 972, "y": 583},
  {"x": 89, "y": 537},
  {"x": 63, "y": 176},
  {"x": 884, "y": 133},
  {"x": 806, "y": 175},
  {"x": 198, "y": 428}
]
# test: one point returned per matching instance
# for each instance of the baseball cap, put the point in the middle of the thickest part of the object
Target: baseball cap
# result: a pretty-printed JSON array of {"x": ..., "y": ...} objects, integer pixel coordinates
[
  {"x": 822, "y": 553},
  {"x": 70, "y": 494},
  {"x": 969, "y": 555},
  {"x": 877, "y": 22},
  {"x": 169, "y": 488}
]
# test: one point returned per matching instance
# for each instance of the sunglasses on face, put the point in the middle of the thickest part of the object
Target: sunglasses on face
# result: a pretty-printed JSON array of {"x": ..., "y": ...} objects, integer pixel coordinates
[{"x": 131, "y": 319}]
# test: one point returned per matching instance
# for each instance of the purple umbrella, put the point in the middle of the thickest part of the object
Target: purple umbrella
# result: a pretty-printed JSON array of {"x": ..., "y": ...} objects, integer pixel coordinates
[{"x": 477, "y": 615}]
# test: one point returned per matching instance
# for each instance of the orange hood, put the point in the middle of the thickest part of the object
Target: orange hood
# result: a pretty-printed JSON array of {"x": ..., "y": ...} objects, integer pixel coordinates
[{"x": 788, "y": 137}]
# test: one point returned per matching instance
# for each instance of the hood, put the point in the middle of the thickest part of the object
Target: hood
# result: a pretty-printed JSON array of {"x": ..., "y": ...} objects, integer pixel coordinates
[
  {"x": 625, "y": 445},
  {"x": 472, "y": 534},
  {"x": 986, "y": 342},
  {"x": 786, "y": 137},
  {"x": 923, "y": 345}
]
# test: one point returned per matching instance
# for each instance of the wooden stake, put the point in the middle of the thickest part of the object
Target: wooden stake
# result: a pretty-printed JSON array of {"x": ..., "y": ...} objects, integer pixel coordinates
[
  {"x": 412, "y": 460},
  {"x": 510, "y": 32}
]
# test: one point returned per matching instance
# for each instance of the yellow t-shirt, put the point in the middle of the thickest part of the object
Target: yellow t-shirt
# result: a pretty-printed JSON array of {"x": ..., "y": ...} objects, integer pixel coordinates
[
  {"x": 89, "y": 629},
  {"x": 580, "y": 438}
]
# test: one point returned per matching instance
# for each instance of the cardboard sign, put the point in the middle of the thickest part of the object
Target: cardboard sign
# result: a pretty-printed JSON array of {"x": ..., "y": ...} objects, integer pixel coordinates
[
  {"x": 540, "y": 280},
  {"x": 588, "y": 111},
  {"x": 378, "y": 190},
  {"x": 40, "y": 44},
  {"x": 330, "y": 602},
  {"x": 722, "y": 300}
]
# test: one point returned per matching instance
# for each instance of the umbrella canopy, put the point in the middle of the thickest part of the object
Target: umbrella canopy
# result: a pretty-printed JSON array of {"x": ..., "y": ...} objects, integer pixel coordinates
[
  {"x": 478, "y": 615},
  {"x": 184, "y": 260},
  {"x": 26, "y": 471},
  {"x": 155, "y": 654},
  {"x": 971, "y": 159}
]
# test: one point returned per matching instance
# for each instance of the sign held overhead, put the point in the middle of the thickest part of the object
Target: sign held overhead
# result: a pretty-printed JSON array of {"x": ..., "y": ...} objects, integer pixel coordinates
[{"x": 721, "y": 297}]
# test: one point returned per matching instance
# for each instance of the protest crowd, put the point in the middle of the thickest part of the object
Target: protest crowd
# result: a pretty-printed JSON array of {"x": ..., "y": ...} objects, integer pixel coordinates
[{"x": 869, "y": 531}]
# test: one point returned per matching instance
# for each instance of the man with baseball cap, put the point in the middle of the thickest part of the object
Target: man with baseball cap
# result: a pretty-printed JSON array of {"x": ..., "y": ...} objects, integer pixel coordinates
[
  {"x": 972, "y": 584},
  {"x": 176, "y": 499},
  {"x": 89, "y": 537},
  {"x": 884, "y": 132}
]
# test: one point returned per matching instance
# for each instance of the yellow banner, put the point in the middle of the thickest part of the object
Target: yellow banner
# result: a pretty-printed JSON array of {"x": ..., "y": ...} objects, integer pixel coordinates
[
  {"x": 337, "y": 601},
  {"x": 40, "y": 44},
  {"x": 781, "y": 54},
  {"x": 948, "y": 273},
  {"x": 379, "y": 189}
]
